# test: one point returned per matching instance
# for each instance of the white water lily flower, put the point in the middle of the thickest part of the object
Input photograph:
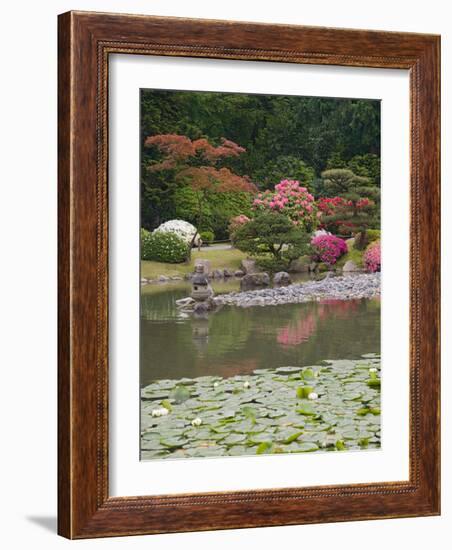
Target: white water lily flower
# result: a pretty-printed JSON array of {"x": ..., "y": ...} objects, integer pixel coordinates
[
  {"x": 216, "y": 384},
  {"x": 161, "y": 411},
  {"x": 313, "y": 396},
  {"x": 373, "y": 369},
  {"x": 246, "y": 384},
  {"x": 196, "y": 422}
]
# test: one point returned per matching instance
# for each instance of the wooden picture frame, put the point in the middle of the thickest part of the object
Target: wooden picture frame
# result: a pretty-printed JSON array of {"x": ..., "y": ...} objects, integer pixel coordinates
[{"x": 86, "y": 40}]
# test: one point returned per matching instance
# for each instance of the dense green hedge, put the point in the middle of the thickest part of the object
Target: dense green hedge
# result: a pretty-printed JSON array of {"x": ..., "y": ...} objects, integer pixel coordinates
[{"x": 163, "y": 247}]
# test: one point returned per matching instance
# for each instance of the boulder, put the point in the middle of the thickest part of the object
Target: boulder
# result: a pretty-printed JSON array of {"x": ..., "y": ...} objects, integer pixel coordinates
[
  {"x": 313, "y": 267},
  {"x": 239, "y": 273},
  {"x": 282, "y": 278},
  {"x": 249, "y": 266},
  {"x": 163, "y": 279},
  {"x": 144, "y": 281},
  {"x": 217, "y": 274},
  {"x": 350, "y": 266},
  {"x": 228, "y": 273},
  {"x": 205, "y": 264},
  {"x": 251, "y": 280},
  {"x": 200, "y": 308},
  {"x": 300, "y": 265}
]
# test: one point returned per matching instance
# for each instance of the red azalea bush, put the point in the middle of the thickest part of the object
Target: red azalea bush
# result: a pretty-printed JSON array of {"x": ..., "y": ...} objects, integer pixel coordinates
[
  {"x": 372, "y": 257},
  {"x": 328, "y": 248},
  {"x": 329, "y": 206},
  {"x": 292, "y": 199},
  {"x": 330, "y": 211}
]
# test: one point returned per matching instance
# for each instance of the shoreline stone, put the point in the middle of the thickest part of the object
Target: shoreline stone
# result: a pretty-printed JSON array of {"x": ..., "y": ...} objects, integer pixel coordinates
[{"x": 336, "y": 288}]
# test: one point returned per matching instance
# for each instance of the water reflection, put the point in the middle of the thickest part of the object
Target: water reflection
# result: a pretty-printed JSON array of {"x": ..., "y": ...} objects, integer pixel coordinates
[{"x": 237, "y": 341}]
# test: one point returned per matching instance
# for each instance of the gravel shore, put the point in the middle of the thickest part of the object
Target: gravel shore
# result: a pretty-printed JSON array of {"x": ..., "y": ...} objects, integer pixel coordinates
[{"x": 335, "y": 288}]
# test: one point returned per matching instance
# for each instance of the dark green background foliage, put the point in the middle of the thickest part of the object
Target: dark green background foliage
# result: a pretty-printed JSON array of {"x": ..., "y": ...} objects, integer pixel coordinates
[{"x": 286, "y": 137}]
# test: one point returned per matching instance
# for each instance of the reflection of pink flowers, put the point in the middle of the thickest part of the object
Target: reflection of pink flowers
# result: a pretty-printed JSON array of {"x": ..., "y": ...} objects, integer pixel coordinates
[
  {"x": 328, "y": 248},
  {"x": 372, "y": 257},
  {"x": 301, "y": 330}
]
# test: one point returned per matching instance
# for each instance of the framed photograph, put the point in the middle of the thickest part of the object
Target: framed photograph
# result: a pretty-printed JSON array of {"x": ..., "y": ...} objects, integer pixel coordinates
[{"x": 248, "y": 275}]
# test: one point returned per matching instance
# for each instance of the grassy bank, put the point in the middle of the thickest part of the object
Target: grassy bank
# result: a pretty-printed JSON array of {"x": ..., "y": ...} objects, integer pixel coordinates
[{"x": 219, "y": 259}]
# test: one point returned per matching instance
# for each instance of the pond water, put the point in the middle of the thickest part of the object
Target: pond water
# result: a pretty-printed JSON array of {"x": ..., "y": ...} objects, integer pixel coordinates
[{"x": 236, "y": 341}]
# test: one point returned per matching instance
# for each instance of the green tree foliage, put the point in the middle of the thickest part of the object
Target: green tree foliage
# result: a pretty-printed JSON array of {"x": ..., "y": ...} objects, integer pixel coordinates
[
  {"x": 367, "y": 165},
  {"x": 285, "y": 167},
  {"x": 273, "y": 239},
  {"x": 279, "y": 133},
  {"x": 359, "y": 212},
  {"x": 217, "y": 212}
]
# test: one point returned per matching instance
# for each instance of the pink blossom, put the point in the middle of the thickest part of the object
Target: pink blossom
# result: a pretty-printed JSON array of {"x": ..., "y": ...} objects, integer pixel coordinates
[
  {"x": 328, "y": 248},
  {"x": 372, "y": 257}
]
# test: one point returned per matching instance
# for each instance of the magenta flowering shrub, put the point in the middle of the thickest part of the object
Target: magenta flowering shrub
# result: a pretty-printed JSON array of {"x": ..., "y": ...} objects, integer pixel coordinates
[
  {"x": 328, "y": 248},
  {"x": 372, "y": 257},
  {"x": 293, "y": 200}
]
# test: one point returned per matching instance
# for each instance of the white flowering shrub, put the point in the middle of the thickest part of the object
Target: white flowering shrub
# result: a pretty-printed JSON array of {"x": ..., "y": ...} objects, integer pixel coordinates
[
  {"x": 181, "y": 228},
  {"x": 163, "y": 247}
]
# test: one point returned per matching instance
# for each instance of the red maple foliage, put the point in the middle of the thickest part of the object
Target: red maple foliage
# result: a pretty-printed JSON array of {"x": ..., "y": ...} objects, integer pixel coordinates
[{"x": 196, "y": 162}]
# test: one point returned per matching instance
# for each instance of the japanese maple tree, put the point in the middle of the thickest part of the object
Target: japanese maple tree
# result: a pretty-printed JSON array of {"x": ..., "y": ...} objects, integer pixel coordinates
[{"x": 199, "y": 164}]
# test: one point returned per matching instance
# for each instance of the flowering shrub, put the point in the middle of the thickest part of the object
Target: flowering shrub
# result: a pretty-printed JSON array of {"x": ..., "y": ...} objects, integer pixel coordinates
[
  {"x": 163, "y": 246},
  {"x": 372, "y": 257},
  {"x": 236, "y": 222},
  {"x": 329, "y": 206},
  {"x": 291, "y": 199},
  {"x": 328, "y": 248},
  {"x": 181, "y": 228},
  {"x": 338, "y": 214}
]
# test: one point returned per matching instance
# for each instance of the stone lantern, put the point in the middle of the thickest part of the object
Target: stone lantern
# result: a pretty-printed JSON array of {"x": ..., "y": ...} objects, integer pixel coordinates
[{"x": 201, "y": 289}]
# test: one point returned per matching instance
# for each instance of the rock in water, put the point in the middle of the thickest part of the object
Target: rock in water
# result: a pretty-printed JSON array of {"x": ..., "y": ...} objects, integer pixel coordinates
[
  {"x": 251, "y": 280},
  {"x": 185, "y": 302},
  {"x": 282, "y": 278},
  {"x": 301, "y": 265},
  {"x": 249, "y": 266}
]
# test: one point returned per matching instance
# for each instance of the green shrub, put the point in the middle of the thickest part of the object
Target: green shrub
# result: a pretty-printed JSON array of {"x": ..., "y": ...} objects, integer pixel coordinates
[
  {"x": 373, "y": 235},
  {"x": 273, "y": 240},
  {"x": 163, "y": 247},
  {"x": 216, "y": 212},
  {"x": 207, "y": 237},
  {"x": 363, "y": 239}
]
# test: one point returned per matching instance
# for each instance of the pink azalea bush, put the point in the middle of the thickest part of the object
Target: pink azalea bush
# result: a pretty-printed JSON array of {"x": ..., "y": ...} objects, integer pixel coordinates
[
  {"x": 235, "y": 223},
  {"x": 328, "y": 248},
  {"x": 289, "y": 198},
  {"x": 372, "y": 257}
]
